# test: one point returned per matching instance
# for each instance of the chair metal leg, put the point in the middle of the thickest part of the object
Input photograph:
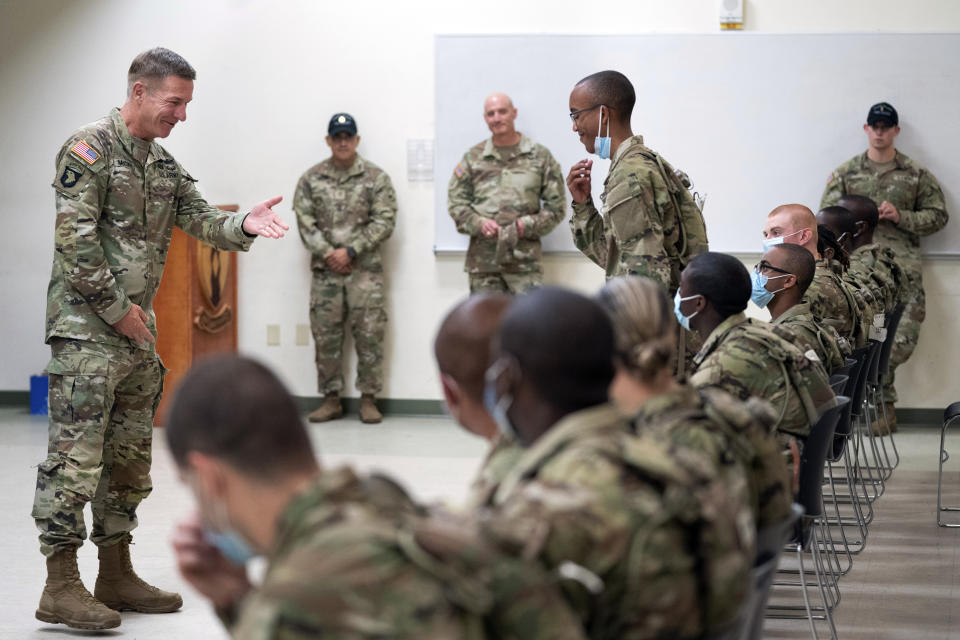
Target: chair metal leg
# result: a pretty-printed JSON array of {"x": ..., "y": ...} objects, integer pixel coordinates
[{"x": 944, "y": 456}]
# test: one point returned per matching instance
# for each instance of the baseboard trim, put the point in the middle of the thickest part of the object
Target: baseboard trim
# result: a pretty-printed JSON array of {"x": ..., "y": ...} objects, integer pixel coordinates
[
  {"x": 922, "y": 417},
  {"x": 389, "y": 406},
  {"x": 15, "y": 399},
  {"x": 426, "y": 407}
]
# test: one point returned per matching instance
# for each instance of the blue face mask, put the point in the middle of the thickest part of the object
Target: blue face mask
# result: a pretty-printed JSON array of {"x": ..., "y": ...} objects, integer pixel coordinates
[
  {"x": 759, "y": 294},
  {"x": 231, "y": 545},
  {"x": 601, "y": 146},
  {"x": 497, "y": 408},
  {"x": 218, "y": 530},
  {"x": 769, "y": 243},
  {"x": 682, "y": 319}
]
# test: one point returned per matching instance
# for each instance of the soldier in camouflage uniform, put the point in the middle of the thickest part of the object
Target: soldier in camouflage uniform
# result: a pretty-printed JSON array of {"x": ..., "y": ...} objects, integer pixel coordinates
[
  {"x": 871, "y": 263},
  {"x": 744, "y": 356},
  {"x": 829, "y": 301},
  {"x": 462, "y": 350},
  {"x": 506, "y": 193},
  {"x": 911, "y": 206},
  {"x": 346, "y": 207},
  {"x": 788, "y": 270},
  {"x": 737, "y": 436},
  {"x": 650, "y": 225},
  {"x": 347, "y": 556},
  {"x": 118, "y": 196},
  {"x": 654, "y": 544}
]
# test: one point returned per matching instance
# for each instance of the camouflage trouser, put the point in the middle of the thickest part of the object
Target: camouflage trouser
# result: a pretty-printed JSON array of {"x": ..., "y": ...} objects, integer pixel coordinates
[
  {"x": 332, "y": 298},
  {"x": 515, "y": 283},
  {"x": 908, "y": 332},
  {"x": 102, "y": 402}
]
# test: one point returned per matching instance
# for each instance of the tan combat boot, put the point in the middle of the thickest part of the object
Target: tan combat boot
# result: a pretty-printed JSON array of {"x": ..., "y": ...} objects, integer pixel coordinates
[
  {"x": 65, "y": 599},
  {"x": 369, "y": 413},
  {"x": 121, "y": 589},
  {"x": 879, "y": 427},
  {"x": 331, "y": 409}
]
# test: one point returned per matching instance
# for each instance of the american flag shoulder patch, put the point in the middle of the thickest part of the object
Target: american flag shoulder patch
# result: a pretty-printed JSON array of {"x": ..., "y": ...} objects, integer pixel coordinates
[
  {"x": 85, "y": 152},
  {"x": 458, "y": 171}
]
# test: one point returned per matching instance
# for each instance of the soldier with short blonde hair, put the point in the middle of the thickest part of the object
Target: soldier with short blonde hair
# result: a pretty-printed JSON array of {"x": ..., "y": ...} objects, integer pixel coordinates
[{"x": 911, "y": 205}]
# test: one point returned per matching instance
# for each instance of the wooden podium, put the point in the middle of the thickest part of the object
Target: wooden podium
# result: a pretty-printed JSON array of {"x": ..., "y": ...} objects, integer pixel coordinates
[{"x": 196, "y": 308}]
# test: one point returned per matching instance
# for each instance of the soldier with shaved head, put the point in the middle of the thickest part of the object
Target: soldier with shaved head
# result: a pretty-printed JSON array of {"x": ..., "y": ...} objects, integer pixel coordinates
[
  {"x": 829, "y": 300},
  {"x": 649, "y": 224},
  {"x": 462, "y": 350},
  {"x": 505, "y": 193}
]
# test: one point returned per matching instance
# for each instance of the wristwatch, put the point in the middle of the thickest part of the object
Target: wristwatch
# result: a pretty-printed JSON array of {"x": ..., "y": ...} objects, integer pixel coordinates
[{"x": 351, "y": 252}]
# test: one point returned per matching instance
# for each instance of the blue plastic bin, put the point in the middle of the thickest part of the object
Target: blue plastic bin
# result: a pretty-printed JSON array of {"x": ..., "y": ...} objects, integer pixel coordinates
[{"x": 38, "y": 395}]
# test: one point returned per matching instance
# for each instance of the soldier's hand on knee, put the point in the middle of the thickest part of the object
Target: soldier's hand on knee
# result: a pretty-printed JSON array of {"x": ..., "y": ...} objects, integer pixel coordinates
[
  {"x": 204, "y": 567},
  {"x": 134, "y": 325},
  {"x": 578, "y": 181}
]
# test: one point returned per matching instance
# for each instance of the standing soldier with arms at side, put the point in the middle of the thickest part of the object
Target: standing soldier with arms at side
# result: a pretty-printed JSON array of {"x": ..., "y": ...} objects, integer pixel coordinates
[
  {"x": 346, "y": 207},
  {"x": 911, "y": 205},
  {"x": 118, "y": 196},
  {"x": 506, "y": 193}
]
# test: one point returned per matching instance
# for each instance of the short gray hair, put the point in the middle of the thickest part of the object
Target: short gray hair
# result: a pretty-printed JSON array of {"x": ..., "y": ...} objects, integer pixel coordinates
[{"x": 157, "y": 64}]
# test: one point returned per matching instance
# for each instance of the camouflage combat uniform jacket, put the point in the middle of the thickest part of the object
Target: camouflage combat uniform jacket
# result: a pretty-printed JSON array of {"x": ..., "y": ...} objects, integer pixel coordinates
[
  {"x": 336, "y": 208},
  {"x": 356, "y": 559},
  {"x": 798, "y": 326},
  {"x": 737, "y": 435},
  {"x": 833, "y": 304},
  {"x": 641, "y": 231},
  {"x": 915, "y": 193},
  {"x": 527, "y": 186},
  {"x": 118, "y": 199},
  {"x": 651, "y": 540},
  {"x": 876, "y": 266},
  {"x": 502, "y": 456},
  {"x": 745, "y": 357}
]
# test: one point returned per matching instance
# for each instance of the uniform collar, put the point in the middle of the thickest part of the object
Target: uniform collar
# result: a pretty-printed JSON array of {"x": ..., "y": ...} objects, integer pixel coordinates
[
  {"x": 717, "y": 335},
  {"x": 356, "y": 169},
  {"x": 900, "y": 160},
  {"x": 796, "y": 311},
  {"x": 622, "y": 149},
  {"x": 490, "y": 150},
  {"x": 155, "y": 151},
  {"x": 572, "y": 427}
]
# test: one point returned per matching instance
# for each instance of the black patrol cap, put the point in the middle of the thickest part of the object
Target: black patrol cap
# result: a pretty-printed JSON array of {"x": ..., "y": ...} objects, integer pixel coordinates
[
  {"x": 883, "y": 113},
  {"x": 342, "y": 122}
]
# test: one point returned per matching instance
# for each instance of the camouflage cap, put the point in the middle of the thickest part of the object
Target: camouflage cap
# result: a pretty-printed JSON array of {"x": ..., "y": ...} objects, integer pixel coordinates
[
  {"x": 884, "y": 113},
  {"x": 342, "y": 122}
]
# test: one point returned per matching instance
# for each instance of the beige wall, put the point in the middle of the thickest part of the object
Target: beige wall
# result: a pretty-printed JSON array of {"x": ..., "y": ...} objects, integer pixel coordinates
[{"x": 270, "y": 75}]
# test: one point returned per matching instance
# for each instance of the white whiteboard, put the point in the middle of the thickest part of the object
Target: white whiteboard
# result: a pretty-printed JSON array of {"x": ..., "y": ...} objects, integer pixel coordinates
[{"x": 757, "y": 120}]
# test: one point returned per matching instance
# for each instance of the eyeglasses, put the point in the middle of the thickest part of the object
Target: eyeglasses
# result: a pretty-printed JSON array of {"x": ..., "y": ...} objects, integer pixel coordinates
[
  {"x": 575, "y": 115},
  {"x": 763, "y": 265}
]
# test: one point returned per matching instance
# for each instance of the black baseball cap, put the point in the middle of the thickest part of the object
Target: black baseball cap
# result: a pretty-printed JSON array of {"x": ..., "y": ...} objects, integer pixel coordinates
[
  {"x": 342, "y": 122},
  {"x": 883, "y": 113}
]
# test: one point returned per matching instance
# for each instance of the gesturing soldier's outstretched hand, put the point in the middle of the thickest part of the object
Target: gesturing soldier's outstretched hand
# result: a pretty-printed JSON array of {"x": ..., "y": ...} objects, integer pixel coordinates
[{"x": 262, "y": 221}]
